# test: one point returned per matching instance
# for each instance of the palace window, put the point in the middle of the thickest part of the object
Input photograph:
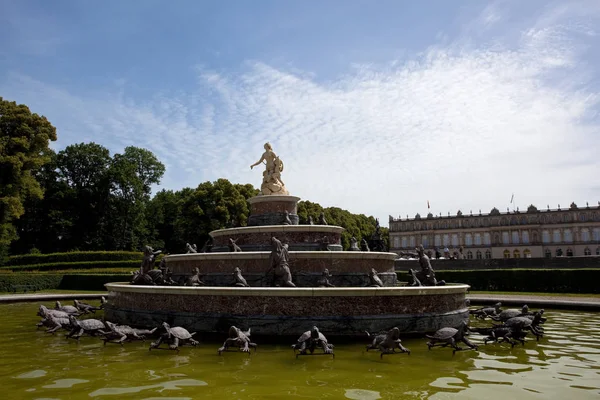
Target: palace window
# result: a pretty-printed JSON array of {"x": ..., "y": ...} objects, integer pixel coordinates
[
  {"x": 569, "y": 252},
  {"x": 515, "y": 237},
  {"x": 411, "y": 241},
  {"x": 446, "y": 240},
  {"x": 468, "y": 239},
  {"x": 559, "y": 252},
  {"x": 507, "y": 253},
  {"x": 598, "y": 251},
  {"x": 587, "y": 252},
  {"x": 596, "y": 234},
  {"x": 545, "y": 237},
  {"x": 582, "y": 217},
  {"x": 488, "y": 254},
  {"x": 527, "y": 253},
  {"x": 438, "y": 240},
  {"x": 425, "y": 240},
  {"x": 547, "y": 253},
  {"x": 396, "y": 241},
  {"x": 585, "y": 235},
  {"x": 470, "y": 255},
  {"x": 568, "y": 236},
  {"x": 525, "y": 237},
  {"x": 505, "y": 238},
  {"x": 477, "y": 239},
  {"x": 556, "y": 236},
  {"x": 487, "y": 239},
  {"x": 516, "y": 254},
  {"x": 404, "y": 241},
  {"x": 478, "y": 255},
  {"x": 455, "y": 240}
]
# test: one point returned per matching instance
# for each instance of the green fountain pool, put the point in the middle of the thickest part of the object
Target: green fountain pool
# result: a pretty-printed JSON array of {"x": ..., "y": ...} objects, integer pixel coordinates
[{"x": 565, "y": 364}]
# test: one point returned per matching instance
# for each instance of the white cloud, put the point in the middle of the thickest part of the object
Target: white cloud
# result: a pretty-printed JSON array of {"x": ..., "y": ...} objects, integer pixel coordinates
[{"x": 463, "y": 127}]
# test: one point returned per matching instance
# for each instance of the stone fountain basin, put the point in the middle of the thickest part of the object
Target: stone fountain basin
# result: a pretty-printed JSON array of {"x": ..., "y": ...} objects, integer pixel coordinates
[
  {"x": 348, "y": 268},
  {"x": 289, "y": 311}
]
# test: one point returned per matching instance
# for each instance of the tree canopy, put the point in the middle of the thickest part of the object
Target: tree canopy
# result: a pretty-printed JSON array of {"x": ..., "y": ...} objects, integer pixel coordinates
[{"x": 24, "y": 141}]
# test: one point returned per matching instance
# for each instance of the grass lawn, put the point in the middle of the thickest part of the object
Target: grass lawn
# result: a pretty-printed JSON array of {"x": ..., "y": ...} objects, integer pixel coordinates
[{"x": 476, "y": 292}]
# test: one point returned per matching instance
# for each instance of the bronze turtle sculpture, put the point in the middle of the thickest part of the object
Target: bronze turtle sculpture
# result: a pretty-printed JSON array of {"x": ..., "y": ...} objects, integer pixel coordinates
[
  {"x": 44, "y": 311},
  {"x": 501, "y": 333},
  {"x": 67, "y": 309},
  {"x": 485, "y": 312},
  {"x": 174, "y": 335},
  {"x": 119, "y": 333},
  {"x": 387, "y": 342},
  {"x": 310, "y": 340},
  {"x": 80, "y": 326},
  {"x": 238, "y": 338},
  {"x": 85, "y": 308},
  {"x": 54, "y": 323},
  {"x": 526, "y": 324},
  {"x": 510, "y": 313},
  {"x": 450, "y": 337}
]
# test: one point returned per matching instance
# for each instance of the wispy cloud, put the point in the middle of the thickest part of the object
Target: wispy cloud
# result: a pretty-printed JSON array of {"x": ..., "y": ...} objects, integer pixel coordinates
[{"x": 461, "y": 126}]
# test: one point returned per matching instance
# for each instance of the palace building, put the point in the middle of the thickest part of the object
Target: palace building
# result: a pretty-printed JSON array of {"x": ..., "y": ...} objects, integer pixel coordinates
[{"x": 535, "y": 233}]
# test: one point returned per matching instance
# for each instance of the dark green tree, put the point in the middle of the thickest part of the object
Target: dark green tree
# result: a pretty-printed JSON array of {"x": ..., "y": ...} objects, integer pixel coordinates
[
  {"x": 356, "y": 225},
  {"x": 46, "y": 221},
  {"x": 163, "y": 214},
  {"x": 211, "y": 206},
  {"x": 132, "y": 175},
  {"x": 24, "y": 141},
  {"x": 84, "y": 170}
]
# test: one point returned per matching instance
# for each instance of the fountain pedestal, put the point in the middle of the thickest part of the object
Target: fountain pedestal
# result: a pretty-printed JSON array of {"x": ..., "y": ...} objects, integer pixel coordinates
[{"x": 270, "y": 210}]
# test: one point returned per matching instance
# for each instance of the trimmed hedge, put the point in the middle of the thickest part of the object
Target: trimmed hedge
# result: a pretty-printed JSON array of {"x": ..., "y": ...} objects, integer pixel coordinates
[
  {"x": 132, "y": 264},
  {"x": 63, "y": 282},
  {"x": 40, "y": 281},
  {"x": 526, "y": 280},
  {"x": 74, "y": 256}
]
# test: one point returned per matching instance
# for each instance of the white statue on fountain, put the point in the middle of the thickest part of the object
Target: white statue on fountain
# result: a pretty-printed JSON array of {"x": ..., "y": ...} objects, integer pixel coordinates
[{"x": 272, "y": 183}]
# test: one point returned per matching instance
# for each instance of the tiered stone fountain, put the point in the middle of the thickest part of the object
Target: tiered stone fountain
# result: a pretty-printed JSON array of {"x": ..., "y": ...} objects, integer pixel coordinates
[{"x": 351, "y": 307}]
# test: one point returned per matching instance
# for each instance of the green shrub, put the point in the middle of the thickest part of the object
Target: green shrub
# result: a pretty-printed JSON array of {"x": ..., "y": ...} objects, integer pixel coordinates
[
  {"x": 75, "y": 256},
  {"x": 130, "y": 265},
  {"x": 525, "y": 280}
]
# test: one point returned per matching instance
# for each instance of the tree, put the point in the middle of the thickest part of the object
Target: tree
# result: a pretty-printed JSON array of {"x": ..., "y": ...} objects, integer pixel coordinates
[
  {"x": 211, "y": 206},
  {"x": 24, "y": 140},
  {"x": 132, "y": 175},
  {"x": 163, "y": 213},
  {"x": 83, "y": 168},
  {"x": 356, "y": 225},
  {"x": 45, "y": 221}
]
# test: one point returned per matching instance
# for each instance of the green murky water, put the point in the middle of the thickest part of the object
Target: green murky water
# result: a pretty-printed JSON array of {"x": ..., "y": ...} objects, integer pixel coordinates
[{"x": 35, "y": 365}]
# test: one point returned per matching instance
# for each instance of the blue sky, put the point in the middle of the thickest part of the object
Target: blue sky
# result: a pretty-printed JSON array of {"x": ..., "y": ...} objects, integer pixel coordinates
[{"x": 374, "y": 106}]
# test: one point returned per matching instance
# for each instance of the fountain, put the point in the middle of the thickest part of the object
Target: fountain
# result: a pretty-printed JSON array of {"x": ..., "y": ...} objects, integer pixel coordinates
[{"x": 343, "y": 292}]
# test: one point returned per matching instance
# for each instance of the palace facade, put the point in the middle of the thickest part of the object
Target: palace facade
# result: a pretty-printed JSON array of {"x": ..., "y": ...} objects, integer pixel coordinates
[{"x": 535, "y": 233}]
